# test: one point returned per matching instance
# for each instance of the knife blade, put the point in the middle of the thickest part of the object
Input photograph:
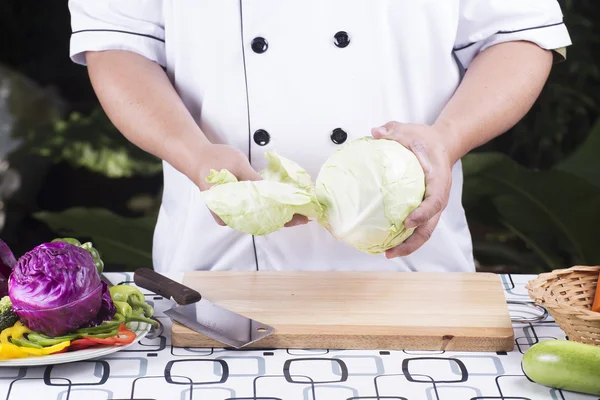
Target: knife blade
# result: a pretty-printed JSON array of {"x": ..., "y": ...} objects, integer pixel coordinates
[{"x": 201, "y": 315}]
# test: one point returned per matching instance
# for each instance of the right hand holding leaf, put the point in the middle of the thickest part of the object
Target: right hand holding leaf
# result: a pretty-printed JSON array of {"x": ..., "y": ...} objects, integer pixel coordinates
[
  {"x": 285, "y": 197},
  {"x": 223, "y": 157}
]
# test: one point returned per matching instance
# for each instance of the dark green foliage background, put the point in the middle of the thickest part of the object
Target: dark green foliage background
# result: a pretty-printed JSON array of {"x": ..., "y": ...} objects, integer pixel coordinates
[{"x": 532, "y": 196}]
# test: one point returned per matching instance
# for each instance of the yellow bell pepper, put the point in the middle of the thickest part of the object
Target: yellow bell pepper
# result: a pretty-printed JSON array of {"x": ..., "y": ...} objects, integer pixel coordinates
[
  {"x": 9, "y": 350},
  {"x": 16, "y": 331}
]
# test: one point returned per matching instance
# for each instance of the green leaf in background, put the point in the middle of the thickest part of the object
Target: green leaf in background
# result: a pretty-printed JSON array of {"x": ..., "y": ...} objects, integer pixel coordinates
[
  {"x": 24, "y": 107},
  {"x": 94, "y": 143},
  {"x": 585, "y": 161},
  {"x": 551, "y": 211},
  {"x": 123, "y": 241}
]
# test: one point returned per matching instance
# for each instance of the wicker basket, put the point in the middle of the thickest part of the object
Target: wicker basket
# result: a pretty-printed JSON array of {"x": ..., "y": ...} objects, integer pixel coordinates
[{"x": 568, "y": 295}]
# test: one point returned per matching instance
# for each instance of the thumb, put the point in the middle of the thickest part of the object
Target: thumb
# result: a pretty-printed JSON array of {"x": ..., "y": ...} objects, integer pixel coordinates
[
  {"x": 391, "y": 130},
  {"x": 247, "y": 173}
]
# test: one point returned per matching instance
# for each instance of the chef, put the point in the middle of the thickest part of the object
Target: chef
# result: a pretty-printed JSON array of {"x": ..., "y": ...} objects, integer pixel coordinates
[{"x": 215, "y": 84}]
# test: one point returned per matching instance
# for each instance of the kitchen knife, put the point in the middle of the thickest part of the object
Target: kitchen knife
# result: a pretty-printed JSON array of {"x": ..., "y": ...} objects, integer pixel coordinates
[{"x": 199, "y": 314}]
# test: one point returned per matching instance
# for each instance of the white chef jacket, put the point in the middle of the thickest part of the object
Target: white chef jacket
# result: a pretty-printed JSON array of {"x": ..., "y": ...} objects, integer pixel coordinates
[{"x": 301, "y": 78}]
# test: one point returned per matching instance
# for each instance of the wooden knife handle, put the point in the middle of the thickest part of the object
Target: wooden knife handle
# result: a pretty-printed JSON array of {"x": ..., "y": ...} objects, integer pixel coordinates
[{"x": 151, "y": 280}]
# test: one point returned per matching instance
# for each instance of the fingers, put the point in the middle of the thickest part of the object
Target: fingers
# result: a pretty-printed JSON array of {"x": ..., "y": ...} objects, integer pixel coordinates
[
  {"x": 436, "y": 191},
  {"x": 432, "y": 156},
  {"x": 297, "y": 220},
  {"x": 410, "y": 136},
  {"x": 438, "y": 180},
  {"x": 217, "y": 219},
  {"x": 403, "y": 133},
  {"x": 433, "y": 161},
  {"x": 249, "y": 174},
  {"x": 419, "y": 237},
  {"x": 391, "y": 130},
  {"x": 245, "y": 172}
]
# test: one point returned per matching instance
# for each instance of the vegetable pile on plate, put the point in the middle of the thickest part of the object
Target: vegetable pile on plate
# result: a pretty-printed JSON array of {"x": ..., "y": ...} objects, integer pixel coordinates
[{"x": 52, "y": 300}]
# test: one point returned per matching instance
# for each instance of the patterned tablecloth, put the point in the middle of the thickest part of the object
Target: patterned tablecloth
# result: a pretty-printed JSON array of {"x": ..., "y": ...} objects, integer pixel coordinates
[{"x": 153, "y": 369}]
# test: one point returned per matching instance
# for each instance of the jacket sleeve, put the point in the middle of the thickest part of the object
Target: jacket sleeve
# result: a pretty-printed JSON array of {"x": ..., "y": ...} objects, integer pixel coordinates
[
  {"x": 483, "y": 23},
  {"x": 133, "y": 25}
]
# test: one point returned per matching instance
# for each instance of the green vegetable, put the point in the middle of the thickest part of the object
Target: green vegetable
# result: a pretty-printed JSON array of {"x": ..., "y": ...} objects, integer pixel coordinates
[
  {"x": 123, "y": 308},
  {"x": 132, "y": 296},
  {"x": 104, "y": 330},
  {"x": 23, "y": 342},
  {"x": 363, "y": 194},
  {"x": 564, "y": 364},
  {"x": 87, "y": 246},
  {"x": 108, "y": 334},
  {"x": 47, "y": 341},
  {"x": 280, "y": 169},
  {"x": 131, "y": 305},
  {"x": 7, "y": 316},
  {"x": 264, "y": 206},
  {"x": 118, "y": 317},
  {"x": 367, "y": 189},
  {"x": 139, "y": 318},
  {"x": 72, "y": 241}
]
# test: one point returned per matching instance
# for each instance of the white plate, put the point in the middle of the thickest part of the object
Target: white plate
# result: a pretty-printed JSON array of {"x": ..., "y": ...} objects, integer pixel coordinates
[{"x": 71, "y": 356}]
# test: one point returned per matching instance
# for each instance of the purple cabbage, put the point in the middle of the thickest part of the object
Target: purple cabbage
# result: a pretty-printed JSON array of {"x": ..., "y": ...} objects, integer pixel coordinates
[
  {"x": 107, "y": 309},
  {"x": 7, "y": 262},
  {"x": 55, "y": 288},
  {"x": 7, "y": 259}
]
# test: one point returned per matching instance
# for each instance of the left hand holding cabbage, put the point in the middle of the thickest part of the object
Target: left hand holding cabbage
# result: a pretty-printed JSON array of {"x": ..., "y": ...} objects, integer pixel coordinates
[
  {"x": 368, "y": 188},
  {"x": 433, "y": 147}
]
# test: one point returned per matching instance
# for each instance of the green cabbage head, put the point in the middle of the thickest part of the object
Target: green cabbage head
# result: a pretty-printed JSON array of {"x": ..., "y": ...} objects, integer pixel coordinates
[
  {"x": 367, "y": 188},
  {"x": 264, "y": 206}
]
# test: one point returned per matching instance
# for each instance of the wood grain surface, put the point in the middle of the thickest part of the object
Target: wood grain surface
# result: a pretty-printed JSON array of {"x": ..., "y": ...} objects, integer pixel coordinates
[{"x": 361, "y": 310}]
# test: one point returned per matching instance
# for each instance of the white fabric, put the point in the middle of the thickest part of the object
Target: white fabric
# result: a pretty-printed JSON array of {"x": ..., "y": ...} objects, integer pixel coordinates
[
  {"x": 485, "y": 23},
  {"x": 399, "y": 65},
  {"x": 134, "y": 25}
]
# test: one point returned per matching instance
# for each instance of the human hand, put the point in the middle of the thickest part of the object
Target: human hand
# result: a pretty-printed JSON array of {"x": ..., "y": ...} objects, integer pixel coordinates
[
  {"x": 431, "y": 147},
  {"x": 221, "y": 156}
]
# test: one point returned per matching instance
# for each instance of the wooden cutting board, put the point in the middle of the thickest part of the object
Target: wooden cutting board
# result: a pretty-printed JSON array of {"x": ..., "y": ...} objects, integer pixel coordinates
[{"x": 361, "y": 310}]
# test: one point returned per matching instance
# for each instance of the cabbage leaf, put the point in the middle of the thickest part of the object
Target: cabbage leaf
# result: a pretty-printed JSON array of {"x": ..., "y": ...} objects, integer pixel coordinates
[{"x": 264, "y": 206}]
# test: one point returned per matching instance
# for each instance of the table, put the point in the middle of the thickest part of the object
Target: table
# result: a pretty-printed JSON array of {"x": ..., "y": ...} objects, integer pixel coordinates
[{"x": 153, "y": 369}]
